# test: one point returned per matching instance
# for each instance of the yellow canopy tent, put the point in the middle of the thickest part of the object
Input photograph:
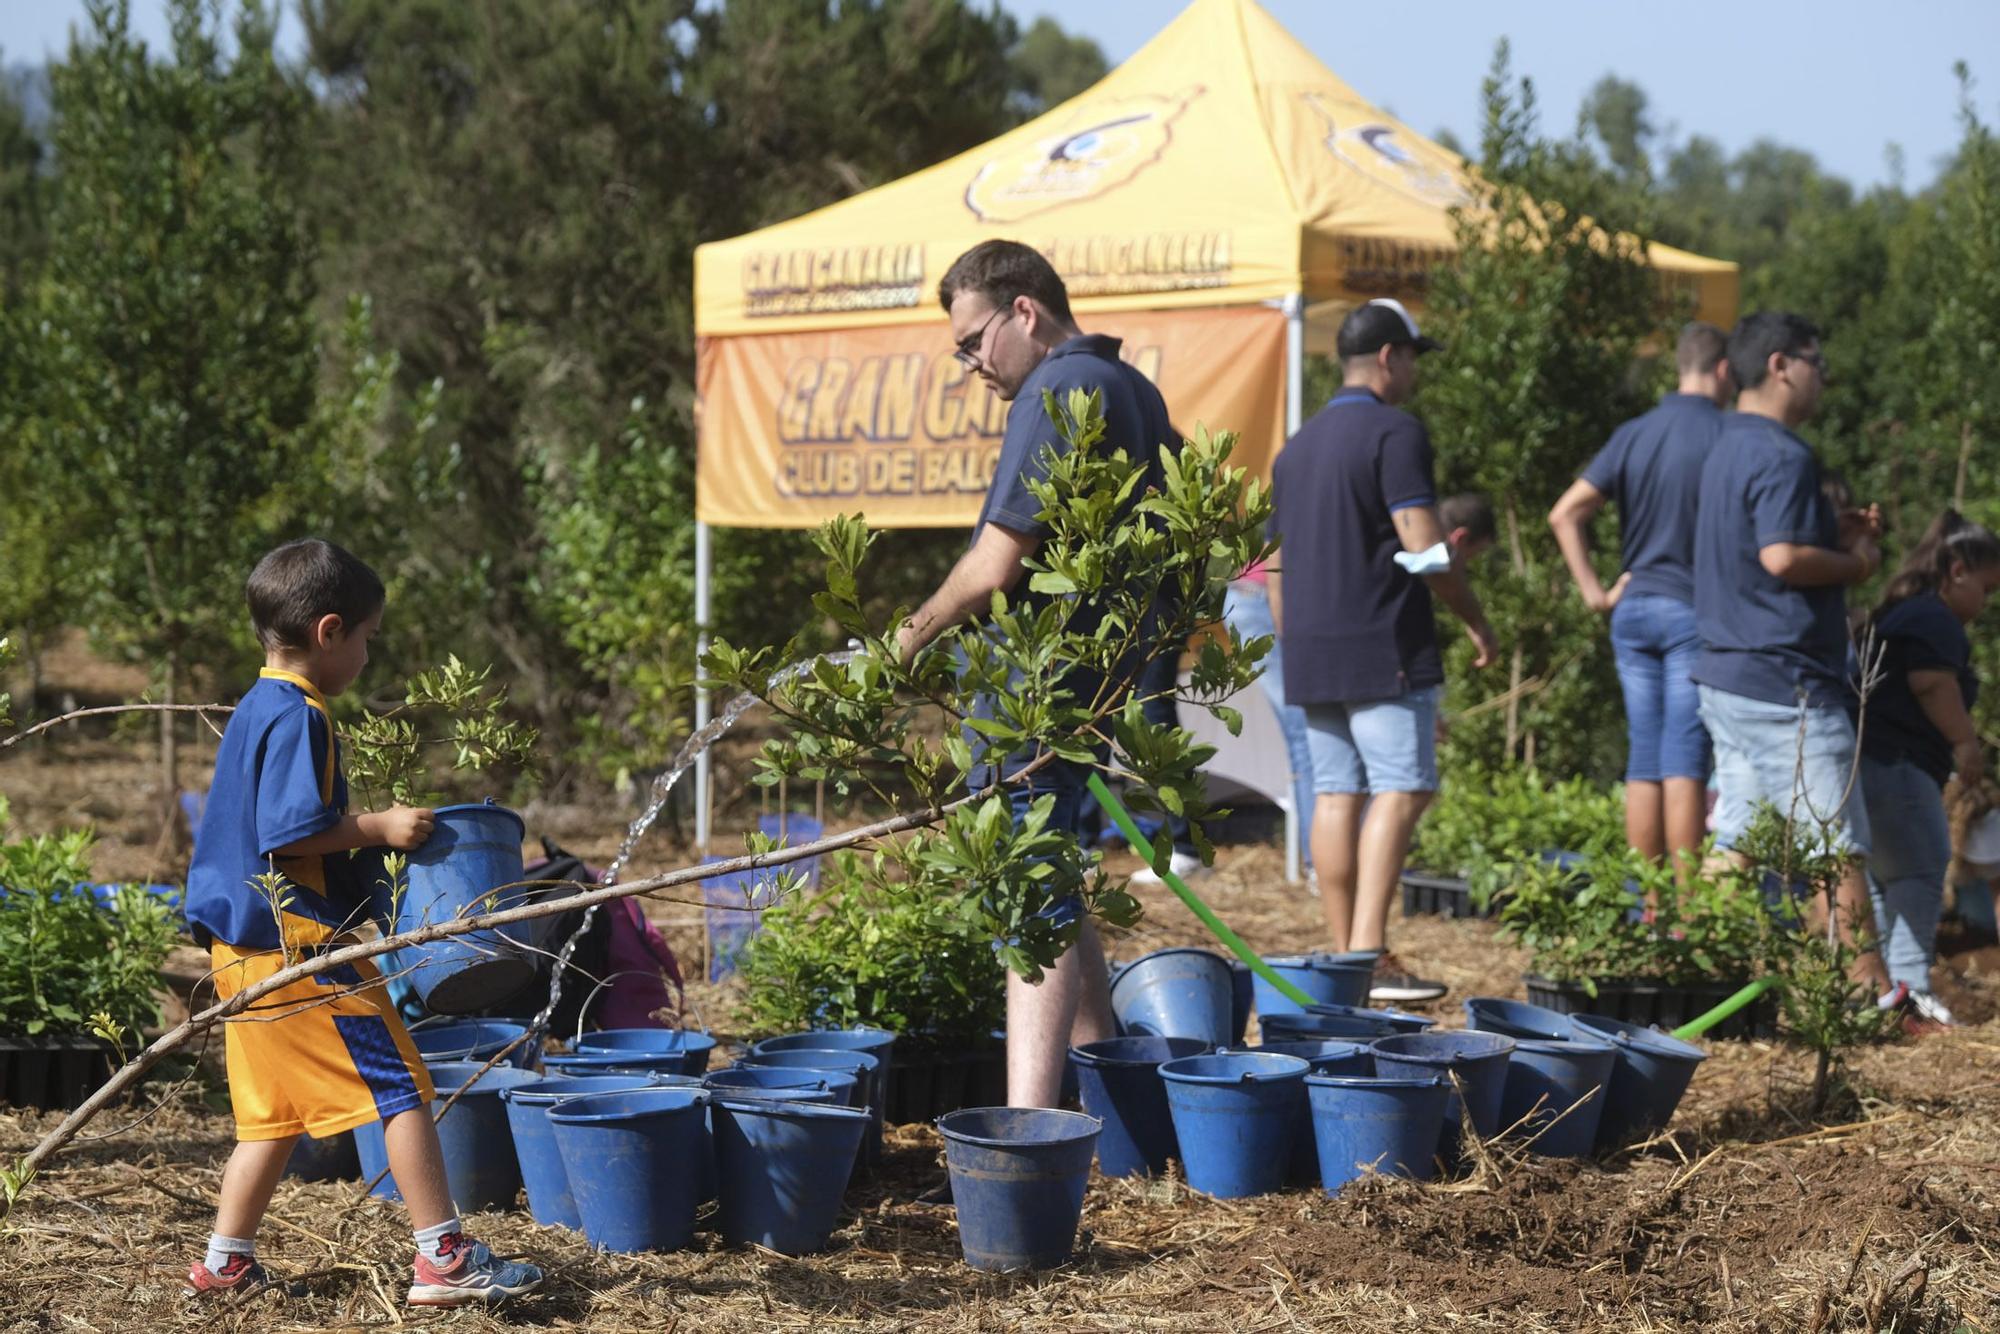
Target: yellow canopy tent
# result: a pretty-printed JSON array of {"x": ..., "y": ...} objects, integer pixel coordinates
[{"x": 1217, "y": 201}]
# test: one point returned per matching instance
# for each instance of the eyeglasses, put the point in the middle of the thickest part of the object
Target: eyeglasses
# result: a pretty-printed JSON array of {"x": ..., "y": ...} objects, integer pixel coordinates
[
  {"x": 1816, "y": 360},
  {"x": 966, "y": 353}
]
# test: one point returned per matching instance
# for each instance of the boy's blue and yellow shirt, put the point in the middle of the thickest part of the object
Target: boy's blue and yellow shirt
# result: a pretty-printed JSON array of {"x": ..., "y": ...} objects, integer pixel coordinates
[{"x": 278, "y": 780}]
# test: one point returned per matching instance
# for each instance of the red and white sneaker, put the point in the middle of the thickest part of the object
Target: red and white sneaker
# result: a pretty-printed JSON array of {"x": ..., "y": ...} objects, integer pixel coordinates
[
  {"x": 242, "y": 1274},
  {"x": 471, "y": 1278}
]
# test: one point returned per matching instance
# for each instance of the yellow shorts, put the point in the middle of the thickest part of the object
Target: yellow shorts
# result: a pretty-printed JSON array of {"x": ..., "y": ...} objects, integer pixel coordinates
[{"x": 309, "y": 1059}]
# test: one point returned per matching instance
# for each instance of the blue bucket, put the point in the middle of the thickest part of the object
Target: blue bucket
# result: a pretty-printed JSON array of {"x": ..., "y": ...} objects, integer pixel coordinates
[
  {"x": 1555, "y": 1094},
  {"x": 613, "y": 1062},
  {"x": 764, "y": 1081},
  {"x": 1177, "y": 993},
  {"x": 472, "y": 851},
  {"x": 865, "y": 1068},
  {"x": 478, "y": 1143},
  {"x": 1361, "y": 1122},
  {"x": 472, "y": 1040},
  {"x": 633, "y": 1160},
  {"x": 1330, "y": 979},
  {"x": 1235, "y": 1114},
  {"x": 1323, "y": 1056},
  {"x": 549, "y": 1199},
  {"x": 1119, "y": 1079},
  {"x": 1478, "y": 1059},
  {"x": 1017, "y": 1179},
  {"x": 1651, "y": 1074},
  {"x": 785, "y": 1166},
  {"x": 877, "y": 1042},
  {"x": 334, "y": 1158},
  {"x": 1242, "y": 995},
  {"x": 373, "y": 1152},
  {"x": 691, "y": 1046},
  {"x": 1397, "y": 1021},
  {"x": 1518, "y": 1019},
  {"x": 1303, "y": 1027}
]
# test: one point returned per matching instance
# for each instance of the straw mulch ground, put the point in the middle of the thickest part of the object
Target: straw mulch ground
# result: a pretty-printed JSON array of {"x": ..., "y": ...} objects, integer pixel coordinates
[{"x": 1884, "y": 1215}]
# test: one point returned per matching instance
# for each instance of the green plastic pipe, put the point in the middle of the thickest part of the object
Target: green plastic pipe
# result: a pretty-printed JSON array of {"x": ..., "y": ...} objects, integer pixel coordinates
[
  {"x": 1123, "y": 819},
  {"x": 1695, "y": 1027}
]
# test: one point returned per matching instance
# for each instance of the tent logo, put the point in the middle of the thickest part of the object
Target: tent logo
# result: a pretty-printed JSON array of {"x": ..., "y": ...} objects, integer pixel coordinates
[
  {"x": 1103, "y": 146},
  {"x": 1372, "y": 149}
]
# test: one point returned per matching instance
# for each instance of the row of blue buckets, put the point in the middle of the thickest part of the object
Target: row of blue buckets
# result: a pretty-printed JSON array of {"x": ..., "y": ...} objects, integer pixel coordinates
[{"x": 628, "y": 1135}]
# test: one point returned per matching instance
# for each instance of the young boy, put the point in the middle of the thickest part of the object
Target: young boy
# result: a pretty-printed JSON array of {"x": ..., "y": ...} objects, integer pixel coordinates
[{"x": 328, "y": 1053}]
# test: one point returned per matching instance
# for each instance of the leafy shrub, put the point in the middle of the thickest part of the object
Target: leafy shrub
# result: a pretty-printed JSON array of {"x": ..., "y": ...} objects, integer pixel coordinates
[
  {"x": 1485, "y": 820},
  {"x": 866, "y": 950},
  {"x": 68, "y": 963}
]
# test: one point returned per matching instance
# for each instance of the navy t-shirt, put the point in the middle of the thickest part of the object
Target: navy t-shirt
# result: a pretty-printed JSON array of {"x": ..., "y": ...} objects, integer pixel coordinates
[
  {"x": 1761, "y": 637},
  {"x": 1651, "y": 469},
  {"x": 1918, "y": 634},
  {"x": 278, "y": 780},
  {"x": 1135, "y": 420},
  {"x": 1358, "y": 626}
]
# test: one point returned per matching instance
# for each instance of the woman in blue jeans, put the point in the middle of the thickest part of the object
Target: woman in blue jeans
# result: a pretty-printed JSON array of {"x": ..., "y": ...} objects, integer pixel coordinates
[
  {"x": 1247, "y": 611},
  {"x": 1918, "y": 730}
]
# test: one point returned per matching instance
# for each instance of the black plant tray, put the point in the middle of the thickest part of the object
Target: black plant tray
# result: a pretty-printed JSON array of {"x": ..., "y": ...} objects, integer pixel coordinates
[
  {"x": 927, "y": 1082},
  {"x": 1657, "y": 1003},
  {"x": 1439, "y": 894},
  {"x": 51, "y": 1073}
]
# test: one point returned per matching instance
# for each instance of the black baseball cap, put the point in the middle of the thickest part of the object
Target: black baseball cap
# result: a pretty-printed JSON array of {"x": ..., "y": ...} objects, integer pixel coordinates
[{"x": 1377, "y": 324}]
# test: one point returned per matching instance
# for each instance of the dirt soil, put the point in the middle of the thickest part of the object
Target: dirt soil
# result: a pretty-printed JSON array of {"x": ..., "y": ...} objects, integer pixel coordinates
[{"x": 1884, "y": 1214}]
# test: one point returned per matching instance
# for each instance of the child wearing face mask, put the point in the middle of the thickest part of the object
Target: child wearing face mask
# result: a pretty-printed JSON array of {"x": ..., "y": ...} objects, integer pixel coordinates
[{"x": 1918, "y": 733}]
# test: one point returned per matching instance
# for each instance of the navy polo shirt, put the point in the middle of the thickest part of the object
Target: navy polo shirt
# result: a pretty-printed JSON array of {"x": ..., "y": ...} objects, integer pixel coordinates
[
  {"x": 278, "y": 780},
  {"x": 1651, "y": 469},
  {"x": 1761, "y": 637},
  {"x": 1135, "y": 420},
  {"x": 1358, "y": 626},
  {"x": 1918, "y": 634}
]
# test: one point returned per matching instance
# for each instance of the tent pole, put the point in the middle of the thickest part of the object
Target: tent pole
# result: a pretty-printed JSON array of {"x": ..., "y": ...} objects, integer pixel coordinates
[
  {"x": 1295, "y": 388},
  {"x": 701, "y": 613}
]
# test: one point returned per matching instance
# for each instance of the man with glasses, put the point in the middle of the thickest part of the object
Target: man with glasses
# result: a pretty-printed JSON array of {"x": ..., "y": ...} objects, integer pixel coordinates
[
  {"x": 1772, "y": 558},
  {"x": 1011, "y": 325}
]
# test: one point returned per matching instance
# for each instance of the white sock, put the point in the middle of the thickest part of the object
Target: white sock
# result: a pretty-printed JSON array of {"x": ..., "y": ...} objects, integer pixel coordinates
[
  {"x": 220, "y": 1248},
  {"x": 432, "y": 1242}
]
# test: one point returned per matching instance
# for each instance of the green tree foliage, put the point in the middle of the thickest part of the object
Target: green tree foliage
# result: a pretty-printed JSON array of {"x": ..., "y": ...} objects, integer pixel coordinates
[
  {"x": 1543, "y": 315},
  {"x": 1051, "y": 66},
  {"x": 173, "y": 382}
]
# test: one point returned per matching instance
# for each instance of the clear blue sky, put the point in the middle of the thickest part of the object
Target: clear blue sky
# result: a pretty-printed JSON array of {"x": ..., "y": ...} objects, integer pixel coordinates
[{"x": 1840, "y": 78}]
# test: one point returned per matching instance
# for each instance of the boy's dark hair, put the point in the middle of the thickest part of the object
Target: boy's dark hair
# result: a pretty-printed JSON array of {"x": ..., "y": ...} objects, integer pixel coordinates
[
  {"x": 1470, "y": 511},
  {"x": 1003, "y": 270},
  {"x": 1701, "y": 346},
  {"x": 1758, "y": 336},
  {"x": 299, "y": 582}
]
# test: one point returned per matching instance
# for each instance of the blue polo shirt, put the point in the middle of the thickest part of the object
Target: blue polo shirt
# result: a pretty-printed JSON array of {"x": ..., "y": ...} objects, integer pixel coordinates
[
  {"x": 1358, "y": 626},
  {"x": 278, "y": 780},
  {"x": 1761, "y": 637},
  {"x": 1918, "y": 634},
  {"x": 1135, "y": 420},
  {"x": 1651, "y": 470}
]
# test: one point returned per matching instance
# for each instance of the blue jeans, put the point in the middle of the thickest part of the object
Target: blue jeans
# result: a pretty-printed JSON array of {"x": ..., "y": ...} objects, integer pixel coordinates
[
  {"x": 1798, "y": 759},
  {"x": 1247, "y": 611},
  {"x": 1906, "y": 874},
  {"x": 1654, "y": 641}
]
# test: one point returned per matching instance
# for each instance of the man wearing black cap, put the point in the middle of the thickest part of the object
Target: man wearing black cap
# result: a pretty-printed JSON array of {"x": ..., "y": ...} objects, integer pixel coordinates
[{"x": 1362, "y": 549}]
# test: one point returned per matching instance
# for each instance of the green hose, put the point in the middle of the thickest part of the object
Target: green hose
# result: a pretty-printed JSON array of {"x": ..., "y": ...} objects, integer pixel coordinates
[
  {"x": 1123, "y": 819},
  {"x": 1701, "y": 1024}
]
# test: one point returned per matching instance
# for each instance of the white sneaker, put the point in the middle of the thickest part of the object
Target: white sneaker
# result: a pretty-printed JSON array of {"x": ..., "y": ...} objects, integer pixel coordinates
[
  {"x": 1184, "y": 864},
  {"x": 1930, "y": 1008}
]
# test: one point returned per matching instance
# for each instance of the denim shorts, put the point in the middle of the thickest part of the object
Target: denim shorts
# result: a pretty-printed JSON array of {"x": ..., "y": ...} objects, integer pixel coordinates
[
  {"x": 1654, "y": 641},
  {"x": 1065, "y": 782},
  {"x": 1376, "y": 745},
  {"x": 1762, "y": 755}
]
